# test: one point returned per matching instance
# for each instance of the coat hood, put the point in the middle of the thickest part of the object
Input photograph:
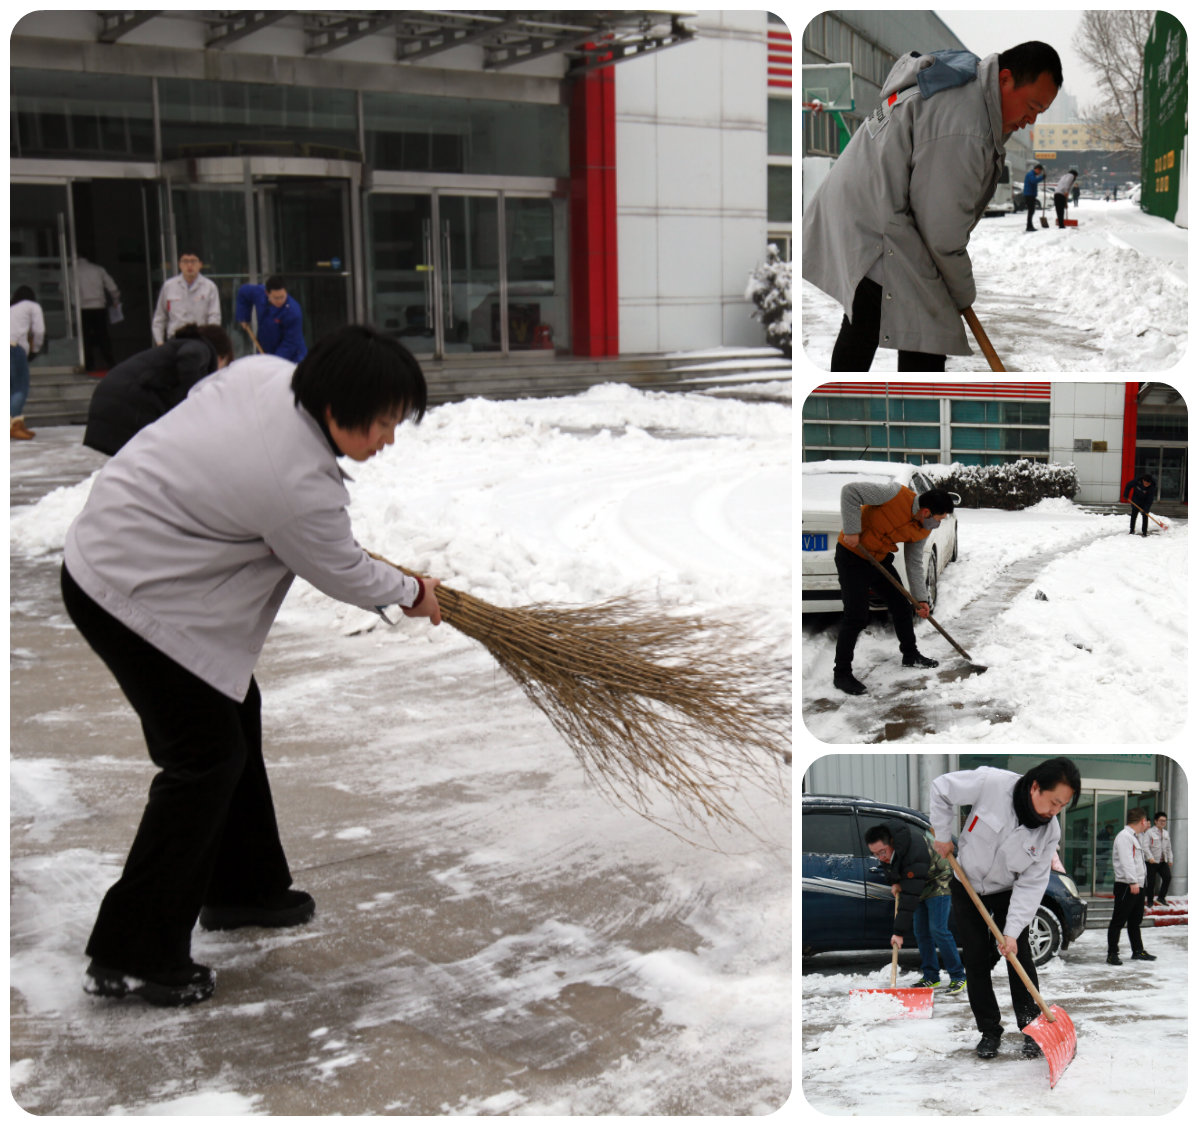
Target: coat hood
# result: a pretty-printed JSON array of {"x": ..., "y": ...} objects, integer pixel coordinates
[{"x": 934, "y": 72}]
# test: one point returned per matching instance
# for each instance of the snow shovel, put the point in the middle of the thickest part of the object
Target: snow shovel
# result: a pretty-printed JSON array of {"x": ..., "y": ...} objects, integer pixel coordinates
[
  {"x": 1159, "y": 523},
  {"x": 1044, "y": 221},
  {"x": 1053, "y": 1029},
  {"x": 246, "y": 326},
  {"x": 916, "y": 603},
  {"x": 993, "y": 360},
  {"x": 918, "y": 1001}
]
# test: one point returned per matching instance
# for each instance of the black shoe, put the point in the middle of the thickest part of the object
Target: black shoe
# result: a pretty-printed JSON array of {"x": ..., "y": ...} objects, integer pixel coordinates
[
  {"x": 989, "y": 1045},
  {"x": 920, "y": 661},
  {"x": 848, "y": 683},
  {"x": 1143, "y": 955},
  {"x": 286, "y": 910},
  {"x": 1145, "y": 534},
  {"x": 179, "y": 988},
  {"x": 1030, "y": 1048},
  {"x": 1114, "y": 959},
  {"x": 1164, "y": 904}
]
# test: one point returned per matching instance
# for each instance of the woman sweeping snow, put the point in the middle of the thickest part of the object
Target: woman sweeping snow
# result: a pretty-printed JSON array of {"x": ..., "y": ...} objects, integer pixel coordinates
[{"x": 174, "y": 572}]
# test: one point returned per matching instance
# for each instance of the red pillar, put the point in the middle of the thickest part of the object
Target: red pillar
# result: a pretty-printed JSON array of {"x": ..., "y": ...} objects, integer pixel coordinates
[
  {"x": 1129, "y": 434},
  {"x": 593, "y": 214}
]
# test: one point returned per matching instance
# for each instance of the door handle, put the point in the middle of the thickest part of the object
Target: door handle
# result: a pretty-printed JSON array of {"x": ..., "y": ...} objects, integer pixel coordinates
[
  {"x": 448, "y": 287},
  {"x": 427, "y": 238}
]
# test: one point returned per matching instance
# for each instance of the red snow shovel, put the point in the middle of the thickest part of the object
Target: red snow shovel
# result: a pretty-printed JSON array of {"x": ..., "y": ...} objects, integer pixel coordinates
[
  {"x": 1053, "y": 1029},
  {"x": 918, "y": 1001}
]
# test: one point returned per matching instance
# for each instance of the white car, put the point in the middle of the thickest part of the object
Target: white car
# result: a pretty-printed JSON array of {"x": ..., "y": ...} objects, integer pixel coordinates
[{"x": 821, "y": 505}]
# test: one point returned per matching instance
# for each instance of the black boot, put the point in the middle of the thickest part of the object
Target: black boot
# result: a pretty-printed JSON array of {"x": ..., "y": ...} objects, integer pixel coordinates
[
  {"x": 289, "y": 908},
  {"x": 1114, "y": 959},
  {"x": 179, "y": 987},
  {"x": 1030, "y": 1048},
  {"x": 989, "y": 1044},
  {"x": 1143, "y": 955},
  {"x": 919, "y": 660},
  {"x": 848, "y": 683}
]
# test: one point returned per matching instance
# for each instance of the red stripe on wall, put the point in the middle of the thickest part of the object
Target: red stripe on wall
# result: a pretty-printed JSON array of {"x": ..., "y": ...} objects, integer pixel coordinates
[
  {"x": 783, "y": 83},
  {"x": 1038, "y": 390},
  {"x": 1129, "y": 435}
]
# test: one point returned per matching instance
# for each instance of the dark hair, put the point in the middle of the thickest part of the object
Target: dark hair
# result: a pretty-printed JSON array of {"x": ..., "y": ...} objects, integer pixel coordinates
[
  {"x": 1050, "y": 773},
  {"x": 358, "y": 372},
  {"x": 1160, "y": 815},
  {"x": 23, "y": 294},
  {"x": 213, "y": 334},
  {"x": 936, "y": 501},
  {"x": 1134, "y": 814},
  {"x": 878, "y": 833},
  {"x": 1029, "y": 61},
  {"x": 274, "y": 283},
  {"x": 1037, "y": 166}
]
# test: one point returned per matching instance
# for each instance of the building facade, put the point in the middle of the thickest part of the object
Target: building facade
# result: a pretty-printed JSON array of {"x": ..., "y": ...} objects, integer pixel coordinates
[
  {"x": 1108, "y": 431},
  {"x": 473, "y": 182},
  {"x": 1111, "y": 785}
]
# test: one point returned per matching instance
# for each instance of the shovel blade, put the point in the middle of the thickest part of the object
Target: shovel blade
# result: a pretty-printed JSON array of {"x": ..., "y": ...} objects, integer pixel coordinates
[
  {"x": 1056, "y": 1039},
  {"x": 917, "y": 1001}
]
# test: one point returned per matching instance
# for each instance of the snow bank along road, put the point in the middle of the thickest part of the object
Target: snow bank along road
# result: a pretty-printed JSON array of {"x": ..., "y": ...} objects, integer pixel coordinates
[
  {"x": 1131, "y": 1022},
  {"x": 1107, "y": 296},
  {"x": 1102, "y": 658},
  {"x": 491, "y": 936}
]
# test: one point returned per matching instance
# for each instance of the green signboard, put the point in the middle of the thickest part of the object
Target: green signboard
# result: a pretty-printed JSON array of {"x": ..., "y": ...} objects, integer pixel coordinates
[{"x": 1164, "y": 124}]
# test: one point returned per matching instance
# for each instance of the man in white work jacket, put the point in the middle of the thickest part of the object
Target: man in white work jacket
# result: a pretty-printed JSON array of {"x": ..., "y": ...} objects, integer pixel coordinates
[{"x": 1005, "y": 848}]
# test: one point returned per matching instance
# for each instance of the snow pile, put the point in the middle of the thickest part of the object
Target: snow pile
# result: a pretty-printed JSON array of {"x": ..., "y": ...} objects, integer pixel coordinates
[{"x": 1107, "y": 296}]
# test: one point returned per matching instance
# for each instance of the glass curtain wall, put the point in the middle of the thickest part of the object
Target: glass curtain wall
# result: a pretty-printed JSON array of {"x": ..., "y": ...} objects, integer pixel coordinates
[{"x": 41, "y": 257}]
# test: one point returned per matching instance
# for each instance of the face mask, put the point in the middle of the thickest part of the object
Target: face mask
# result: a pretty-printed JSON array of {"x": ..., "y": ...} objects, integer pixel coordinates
[{"x": 930, "y": 523}]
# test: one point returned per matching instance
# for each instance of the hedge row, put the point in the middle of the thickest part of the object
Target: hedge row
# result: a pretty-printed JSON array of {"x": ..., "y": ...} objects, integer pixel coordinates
[{"x": 1015, "y": 485}]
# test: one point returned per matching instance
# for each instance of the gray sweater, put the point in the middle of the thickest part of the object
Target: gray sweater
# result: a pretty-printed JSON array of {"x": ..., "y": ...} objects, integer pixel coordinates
[{"x": 857, "y": 494}]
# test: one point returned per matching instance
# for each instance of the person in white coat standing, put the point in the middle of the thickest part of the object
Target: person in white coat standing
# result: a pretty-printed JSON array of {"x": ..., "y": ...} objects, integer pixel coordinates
[
  {"x": 174, "y": 572},
  {"x": 1006, "y": 849},
  {"x": 186, "y": 299},
  {"x": 886, "y": 233},
  {"x": 1062, "y": 191},
  {"x": 1129, "y": 881},
  {"x": 1159, "y": 859}
]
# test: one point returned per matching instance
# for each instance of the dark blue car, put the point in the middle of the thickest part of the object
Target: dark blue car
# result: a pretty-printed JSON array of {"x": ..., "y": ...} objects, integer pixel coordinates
[{"x": 847, "y": 903}]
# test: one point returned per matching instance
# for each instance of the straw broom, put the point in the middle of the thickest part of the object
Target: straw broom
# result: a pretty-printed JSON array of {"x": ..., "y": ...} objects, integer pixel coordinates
[{"x": 648, "y": 702}]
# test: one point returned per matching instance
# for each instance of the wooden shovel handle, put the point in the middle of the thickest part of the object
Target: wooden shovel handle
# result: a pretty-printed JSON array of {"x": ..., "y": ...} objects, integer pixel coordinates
[
  {"x": 1012, "y": 959},
  {"x": 980, "y": 336},
  {"x": 895, "y": 950}
]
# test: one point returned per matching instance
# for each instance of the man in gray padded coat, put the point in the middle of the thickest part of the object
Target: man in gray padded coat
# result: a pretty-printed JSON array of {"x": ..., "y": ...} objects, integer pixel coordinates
[{"x": 886, "y": 233}]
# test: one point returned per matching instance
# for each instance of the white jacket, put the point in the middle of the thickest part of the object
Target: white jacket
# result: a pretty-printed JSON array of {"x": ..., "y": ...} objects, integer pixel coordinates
[
  {"x": 995, "y": 851},
  {"x": 179, "y": 306},
  {"x": 1063, "y": 187},
  {"x": 97, "y": 290},
  {"x": 195, "y": 529},
  {"x": 26, "y": 326},
  {"x": 1157, "y": 844},
  {"x": 1129, "y": 858}
]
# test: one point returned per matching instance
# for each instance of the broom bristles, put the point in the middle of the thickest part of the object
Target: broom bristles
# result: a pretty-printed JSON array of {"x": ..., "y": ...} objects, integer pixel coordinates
[{"x": 648, "y": 702}]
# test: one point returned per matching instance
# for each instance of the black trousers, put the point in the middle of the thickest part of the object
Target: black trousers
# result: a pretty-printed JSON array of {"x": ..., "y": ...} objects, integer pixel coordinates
[
  {"x": 858, "y": 339},
  {"x": 1156, "y": 871},
  {"x": 1134, "y": 513},
  {"x": 1060, "y": 208},
  {"x": 95, "y": 337},
  {"x": 208, "y": 833},
  {"x": 980, "y": 955},
  {"x": 855, "y": 575},
  {"x": 1030, "y": 207},
  {"x": 1127, "y": 913}
]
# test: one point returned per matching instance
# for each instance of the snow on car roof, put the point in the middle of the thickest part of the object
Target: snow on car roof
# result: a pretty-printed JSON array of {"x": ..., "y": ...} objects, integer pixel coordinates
[{"x": 823, "y": 481}]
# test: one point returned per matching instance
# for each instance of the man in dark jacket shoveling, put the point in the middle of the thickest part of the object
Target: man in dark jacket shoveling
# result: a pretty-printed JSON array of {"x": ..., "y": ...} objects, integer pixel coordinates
[
  {"x": 876, "y": 519},
  {"x": 886, "y": 233},
  {"x": 921, "y": 876},
  {"x": 1140, "y": 493}
]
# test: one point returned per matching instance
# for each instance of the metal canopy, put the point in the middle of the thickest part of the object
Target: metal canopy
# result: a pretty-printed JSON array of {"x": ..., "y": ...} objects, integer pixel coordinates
[{"x": 587, "y": 40}]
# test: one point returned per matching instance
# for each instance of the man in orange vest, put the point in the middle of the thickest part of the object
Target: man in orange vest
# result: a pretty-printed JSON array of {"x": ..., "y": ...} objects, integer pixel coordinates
[{"x": 876, "y": 519}]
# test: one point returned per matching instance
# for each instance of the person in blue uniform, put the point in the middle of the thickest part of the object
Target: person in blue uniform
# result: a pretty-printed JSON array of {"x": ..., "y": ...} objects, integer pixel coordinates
[{"x": 280, "y": 320}]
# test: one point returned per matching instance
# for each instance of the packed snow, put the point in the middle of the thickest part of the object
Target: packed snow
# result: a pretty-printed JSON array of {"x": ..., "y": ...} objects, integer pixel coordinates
[
  {"x": 1109, "y": 295},
  {"x": 1081, "y": 627},
  {"x": 588, "y": 961},
  {"x": 1131, "y": 1025}
]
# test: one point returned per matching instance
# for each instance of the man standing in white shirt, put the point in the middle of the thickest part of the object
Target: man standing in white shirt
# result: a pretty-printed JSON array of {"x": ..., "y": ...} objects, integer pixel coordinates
[
  {"x": 1157, "y": 843},
  {"x": 187, "y": 299},
  {"x": 1129, "y": 876},
  {"x": 97, "y": 291},
  {"x": 1006, "y": 849}
]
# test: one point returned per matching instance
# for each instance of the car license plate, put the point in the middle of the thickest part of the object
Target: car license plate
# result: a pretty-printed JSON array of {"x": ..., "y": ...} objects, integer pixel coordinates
[{"x": 815, "y": 542}]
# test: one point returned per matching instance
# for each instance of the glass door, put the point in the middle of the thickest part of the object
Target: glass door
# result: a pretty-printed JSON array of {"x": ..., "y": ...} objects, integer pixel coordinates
[
  {"x": 1079, "y": 833},
  {"x": 40, "y": 257},
  {"x": 1110, "y": 821},
  {"x": 400, "y": 268},
  {"x": 468, "y": 262},
  {"x": 536, "y": 264}
]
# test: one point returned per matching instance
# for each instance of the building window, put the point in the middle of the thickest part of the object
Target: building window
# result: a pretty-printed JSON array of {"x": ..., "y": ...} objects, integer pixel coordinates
[
  {"x": 779, "y": 127},
  {"x": 96, "y": 116},
  {"x": 873, "y": 427},
  {"x": 1163, "y": 426},
  {"x": 1000, "y": 411}
]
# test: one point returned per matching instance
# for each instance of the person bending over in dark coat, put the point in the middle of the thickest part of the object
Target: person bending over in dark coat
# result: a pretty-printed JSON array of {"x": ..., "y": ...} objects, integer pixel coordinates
[
  {"x": 1140, "y": 493},
  {"x": 145, "y": 387}
]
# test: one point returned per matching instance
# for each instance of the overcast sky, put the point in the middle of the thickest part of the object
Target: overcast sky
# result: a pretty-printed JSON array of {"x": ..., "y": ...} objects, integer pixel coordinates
[{"x": 986, "y": 32}]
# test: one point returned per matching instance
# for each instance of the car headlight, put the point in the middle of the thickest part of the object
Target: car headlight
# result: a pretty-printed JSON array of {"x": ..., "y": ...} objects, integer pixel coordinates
[{"x": 1071, "y": 886}]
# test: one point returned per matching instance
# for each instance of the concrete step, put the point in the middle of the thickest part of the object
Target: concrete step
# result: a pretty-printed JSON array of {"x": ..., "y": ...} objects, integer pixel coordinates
[{"x": 58, "y": 398}]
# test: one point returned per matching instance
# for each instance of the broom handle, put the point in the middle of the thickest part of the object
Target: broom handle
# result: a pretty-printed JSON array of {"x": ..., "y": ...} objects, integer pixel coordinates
[
  {"x": 1012, "y": 959},
  {"x": 992, "y": 359},
  {"x": 895, "y": 950},
  {"x": 901, "y": 588}
]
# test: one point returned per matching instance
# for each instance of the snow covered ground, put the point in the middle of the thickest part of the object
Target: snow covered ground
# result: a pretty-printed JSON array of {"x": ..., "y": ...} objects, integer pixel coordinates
[
  {"x": 1109, "y": 295},
  {"x": 1131, "y": 1023},
  {"x": 492, "y": 936},
  {"x": 1101, "y": 659}
]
